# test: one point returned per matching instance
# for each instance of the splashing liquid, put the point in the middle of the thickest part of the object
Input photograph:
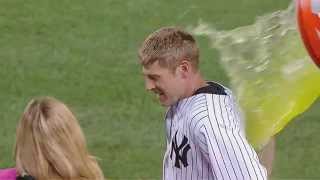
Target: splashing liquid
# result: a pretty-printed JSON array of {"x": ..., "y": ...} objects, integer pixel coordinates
[{"x": 271, "y": 73}]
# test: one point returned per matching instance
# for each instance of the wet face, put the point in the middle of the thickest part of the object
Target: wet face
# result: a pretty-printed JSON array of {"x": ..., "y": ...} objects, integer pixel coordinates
[{"x": 167, "y": 85}]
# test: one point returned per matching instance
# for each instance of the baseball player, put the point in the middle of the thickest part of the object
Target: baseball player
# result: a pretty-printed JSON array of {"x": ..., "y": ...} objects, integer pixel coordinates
[{"x": 204, "y": 138}]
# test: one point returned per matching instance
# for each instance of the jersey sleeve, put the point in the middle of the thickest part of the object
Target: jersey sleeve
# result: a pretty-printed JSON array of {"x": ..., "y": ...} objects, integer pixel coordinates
[{"x": 222, "y": 144}]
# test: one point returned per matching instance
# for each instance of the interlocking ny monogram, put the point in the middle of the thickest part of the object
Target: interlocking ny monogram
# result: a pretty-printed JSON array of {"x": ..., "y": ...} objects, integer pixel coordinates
[{"x": 176, "y": 149}]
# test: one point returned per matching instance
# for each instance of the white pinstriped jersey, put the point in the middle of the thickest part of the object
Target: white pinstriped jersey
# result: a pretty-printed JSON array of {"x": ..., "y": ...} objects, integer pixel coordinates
[{"x": 205, "y": 141}]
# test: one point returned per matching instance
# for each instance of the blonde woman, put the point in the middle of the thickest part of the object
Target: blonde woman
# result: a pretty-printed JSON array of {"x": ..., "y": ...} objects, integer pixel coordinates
[{"x": 50, "y": 145}]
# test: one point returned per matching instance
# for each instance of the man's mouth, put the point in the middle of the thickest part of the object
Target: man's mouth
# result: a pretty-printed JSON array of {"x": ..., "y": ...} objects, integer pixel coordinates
[
  {"x": 158, "y": 91},
  {"x": 160, "y": 94}
]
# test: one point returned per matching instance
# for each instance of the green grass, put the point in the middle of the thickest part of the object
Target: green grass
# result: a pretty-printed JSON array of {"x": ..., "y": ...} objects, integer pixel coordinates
[
  {"x": 85, "y": 54},
  {"x": 298, "y": 147}
]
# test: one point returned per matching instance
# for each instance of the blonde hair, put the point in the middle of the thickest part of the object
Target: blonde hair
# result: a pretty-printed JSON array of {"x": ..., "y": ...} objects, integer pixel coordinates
[
  {"x": 50, "y": 144},
  {"x": 169, "y": 46}
]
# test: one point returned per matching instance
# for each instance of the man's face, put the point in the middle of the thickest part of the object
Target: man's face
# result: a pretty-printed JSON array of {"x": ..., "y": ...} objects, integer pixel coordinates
[{"x": 167, "y": 85}]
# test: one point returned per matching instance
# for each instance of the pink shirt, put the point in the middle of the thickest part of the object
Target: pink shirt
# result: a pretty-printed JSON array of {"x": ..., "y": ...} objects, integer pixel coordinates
[{"x": 8, "y": 174}]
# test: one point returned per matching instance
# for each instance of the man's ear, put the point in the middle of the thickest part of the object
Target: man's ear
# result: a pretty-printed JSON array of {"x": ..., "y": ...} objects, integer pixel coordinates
[{"x": 184, "y": 68}]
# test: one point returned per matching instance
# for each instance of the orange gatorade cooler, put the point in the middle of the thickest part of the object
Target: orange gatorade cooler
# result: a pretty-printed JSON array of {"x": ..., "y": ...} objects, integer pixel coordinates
[{"x": 308, "y": 14}]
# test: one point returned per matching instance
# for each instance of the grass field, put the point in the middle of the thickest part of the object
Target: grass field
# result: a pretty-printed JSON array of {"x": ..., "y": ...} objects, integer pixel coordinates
[{"x": 85, "y": 54}]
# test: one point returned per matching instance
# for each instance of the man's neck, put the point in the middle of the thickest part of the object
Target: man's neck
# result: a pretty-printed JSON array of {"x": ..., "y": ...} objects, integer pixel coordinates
[{"x": 195, "y": 83}]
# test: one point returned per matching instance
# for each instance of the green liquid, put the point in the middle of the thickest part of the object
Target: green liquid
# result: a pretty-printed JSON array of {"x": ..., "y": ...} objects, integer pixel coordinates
[{"x": 271, "y": 73}]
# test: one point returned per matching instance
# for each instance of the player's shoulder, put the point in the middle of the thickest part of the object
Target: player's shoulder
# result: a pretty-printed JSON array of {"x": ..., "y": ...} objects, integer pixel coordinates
[
  {"x": 213, "y": 107},
  {"x": 201, "y": 98},
  {"x": 213, "y": 88},
  {"x": 199, "y": 107}
]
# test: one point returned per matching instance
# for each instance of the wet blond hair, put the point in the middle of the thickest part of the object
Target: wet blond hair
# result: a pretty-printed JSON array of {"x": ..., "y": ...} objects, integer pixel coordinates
[
  {"x": 50, "y": 144},
  {"x": 169, "y": 46}
]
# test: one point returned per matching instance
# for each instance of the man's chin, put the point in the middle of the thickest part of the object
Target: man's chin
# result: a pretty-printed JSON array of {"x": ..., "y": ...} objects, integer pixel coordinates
[{"x": 164, "y": 103}]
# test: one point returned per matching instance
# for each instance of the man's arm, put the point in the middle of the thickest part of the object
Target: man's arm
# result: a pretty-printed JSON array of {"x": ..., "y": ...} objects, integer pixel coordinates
[
  {"x": 224, "y": 146},
  {"x": 230, "y": 155}
]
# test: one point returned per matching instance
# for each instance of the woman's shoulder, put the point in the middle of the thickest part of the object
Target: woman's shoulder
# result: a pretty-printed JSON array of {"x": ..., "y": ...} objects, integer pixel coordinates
[{"x": 8, "y": 174}]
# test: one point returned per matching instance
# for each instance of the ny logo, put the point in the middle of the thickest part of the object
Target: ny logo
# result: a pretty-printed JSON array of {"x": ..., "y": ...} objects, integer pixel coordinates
[{"x": 183, "y": 147}]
